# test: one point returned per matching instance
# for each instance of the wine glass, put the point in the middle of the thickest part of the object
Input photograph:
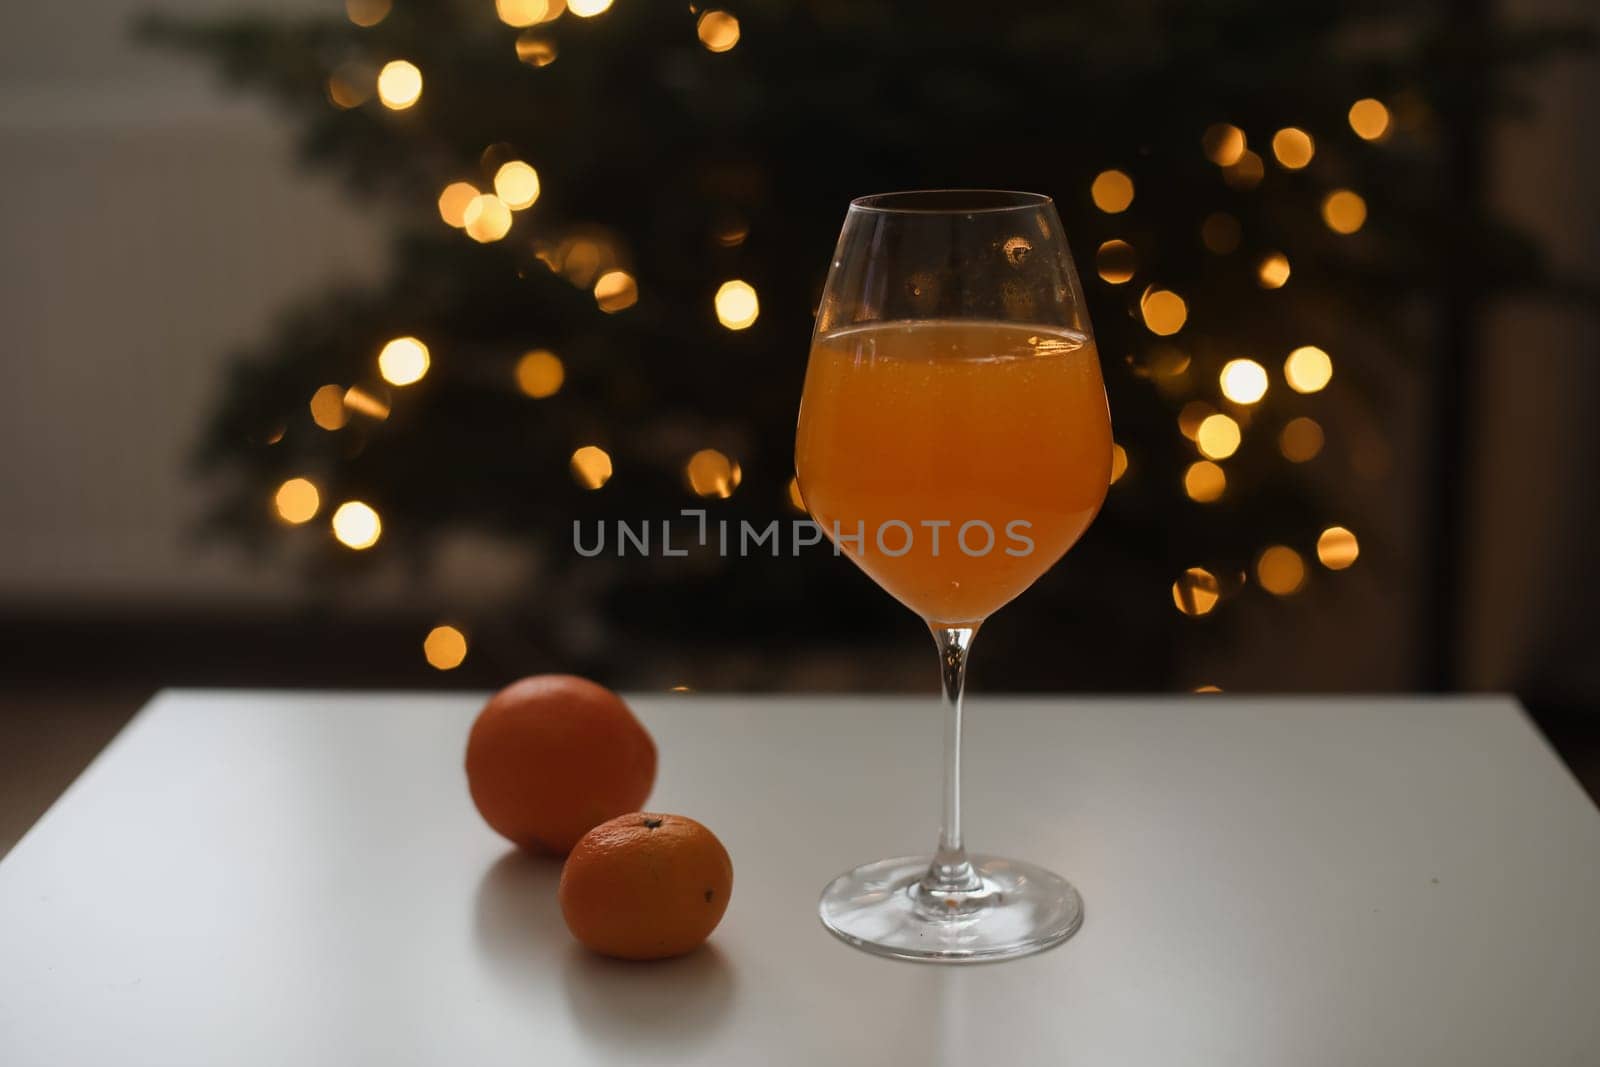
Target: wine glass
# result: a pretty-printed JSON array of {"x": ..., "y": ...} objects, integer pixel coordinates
[{"x": 954, "y": 441}]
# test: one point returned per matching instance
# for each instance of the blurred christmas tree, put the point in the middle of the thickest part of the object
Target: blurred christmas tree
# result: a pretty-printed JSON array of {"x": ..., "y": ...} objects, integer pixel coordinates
[{"x": 614, "y": 222}]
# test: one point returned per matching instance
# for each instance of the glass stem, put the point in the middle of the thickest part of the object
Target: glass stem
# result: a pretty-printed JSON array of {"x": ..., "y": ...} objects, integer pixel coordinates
[{"x": 950, "y": 872}]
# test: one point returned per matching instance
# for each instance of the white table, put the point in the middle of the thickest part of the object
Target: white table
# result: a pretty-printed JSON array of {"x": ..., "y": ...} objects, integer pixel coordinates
[{"x": 264, "y": 878}]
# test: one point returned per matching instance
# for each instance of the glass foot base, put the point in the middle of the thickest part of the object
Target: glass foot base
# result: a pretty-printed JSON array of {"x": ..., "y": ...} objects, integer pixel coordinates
[{"x": 1018, "y": 910}]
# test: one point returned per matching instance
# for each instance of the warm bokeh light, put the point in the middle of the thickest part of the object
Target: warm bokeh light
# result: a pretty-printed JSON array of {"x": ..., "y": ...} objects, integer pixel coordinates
[
  {"x": 327, "y": 407},
  {"x": 615, "y": 290},
  {"x": 487, "y": 218},
  {"x": 1280, "y": 570},
  {"x": 796, "y": 501},
  {"x": 1217, "y": 436},
  {"x": 362, "y": 402},
  {"x": 1164, "y": 312},
  {"x": 297, "y": 501},
  {"x": 1119, "y": 462},
  {"x": 1159, "y": 362},
  {"x": 582, "y": 260},
  {"x": 591, "y": 466},
  {"x": 520, "y": 13},
  {"x": 517, "y": 184},
  {"x": 1224, "y": 143},
  {"x": 540, "y": 374},
  {"x": 1116, "y": 261},
  {"x": 403, "y": 361},
  {"x": 1246, "y": 173},
  {"x": 445, "y": 648},
  {"x": 588, "y": 9},
  {"x": 1337, "y": 548},
  {"x": 350, "y": 86},
  {"x": 356, "y": 525},
  {"x": 535, "y": 49},
  {"x": 1112, "y": 191},
  {"x": 1196, "y": 591},
  {"x": 1204, "y": 481},
  {"x": 737, "y": 305},
  {"x": 1369, "y": 119},
  {"x": 1293, "y": 147},
  {"x": 1273, "y": 270},
  {"x": 1243, "y": 381},
  {"x": 367, "y": 12},
  {"x": 1300, "y": 440},
  {"x": 1308, "y": 369},
  {"x": 1344, "y": 211},
  {"x": 399, "y": 84},
  {"x": 1193, "y": 414},
  {"x": 1206, "y": 689},
  {"x": 710, "y": 473},
  {"x": 718, "y": 30},
  {"x": 454, "y": 201},
  {"x": 1220, "y": 233}
]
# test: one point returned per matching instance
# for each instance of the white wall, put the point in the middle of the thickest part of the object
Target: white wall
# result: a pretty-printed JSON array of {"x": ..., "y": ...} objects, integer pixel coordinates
[{"x": 149, "y": 226}]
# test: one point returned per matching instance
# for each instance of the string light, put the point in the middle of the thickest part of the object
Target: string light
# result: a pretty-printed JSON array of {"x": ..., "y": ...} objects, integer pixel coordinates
[
  {"x": 1196, "y": 591},
  {"x": 1246, "y": 173},
  {"x": 717, "y": 30},
  {"x": 366, "y": 12},
  {"x": 1293, "y": 148},
  {"x": 1164, "y": 312},
  {"x": 445, "y": 648},
  {"x": 1300, "y": 440},
  {"x": 454, "y": 201},
  {"x": 357, "y": 525},
  {"x": 1204, "y": 481},
  {"x": 297, "y": 501},
  {"x": 517, "y": 184},
  {"x": 1119, "y": 462},
  {"x": 712, "y": 474},
  {"x": 1220, "y": 233},
  {"x": 540, "y": 374},
  {"x": 487, "y": 218},
  {"x": 535, "y": 49},
  {"x": 616, "y": 290},
  {"x": 1243, "y": 381},
  {"x": 1217, "y": 437},
  {"x": 1280, "y": 570},
  {"x": 1344, "y": 211},
  {"x": 399, "y": 84},
  {"x": 1116, "y": 262},
  {"x": 1369, "y": 119},
  {"x": 1337, "y": 548},
  {"x": 591, "y": 466},
  {"x": 403, "y": 361},
  {"x": 588, "y": 9},
  {"x": 1273, "y": 270},
  {"x": 1112, "y": 191},
  {"x": 737, "y": 305},
  {"x": 1308, "y": 369},
  {"x": 1224, "y": 143}
]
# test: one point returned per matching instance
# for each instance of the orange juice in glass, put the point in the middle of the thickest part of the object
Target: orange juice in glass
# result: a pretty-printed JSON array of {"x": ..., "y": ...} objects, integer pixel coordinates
[
  {"x": 968, "y": 456},
  {"x": 954, "y": 441}
]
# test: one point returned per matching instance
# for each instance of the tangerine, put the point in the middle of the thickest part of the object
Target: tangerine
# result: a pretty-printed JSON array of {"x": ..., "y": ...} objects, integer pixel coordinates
[
  {"x": 645, "y": 886},
  {"x": 552, "y": 756}
]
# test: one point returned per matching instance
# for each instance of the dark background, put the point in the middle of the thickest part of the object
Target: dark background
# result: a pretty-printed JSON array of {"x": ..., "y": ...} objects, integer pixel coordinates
[{"x": 188, "y": 263}]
